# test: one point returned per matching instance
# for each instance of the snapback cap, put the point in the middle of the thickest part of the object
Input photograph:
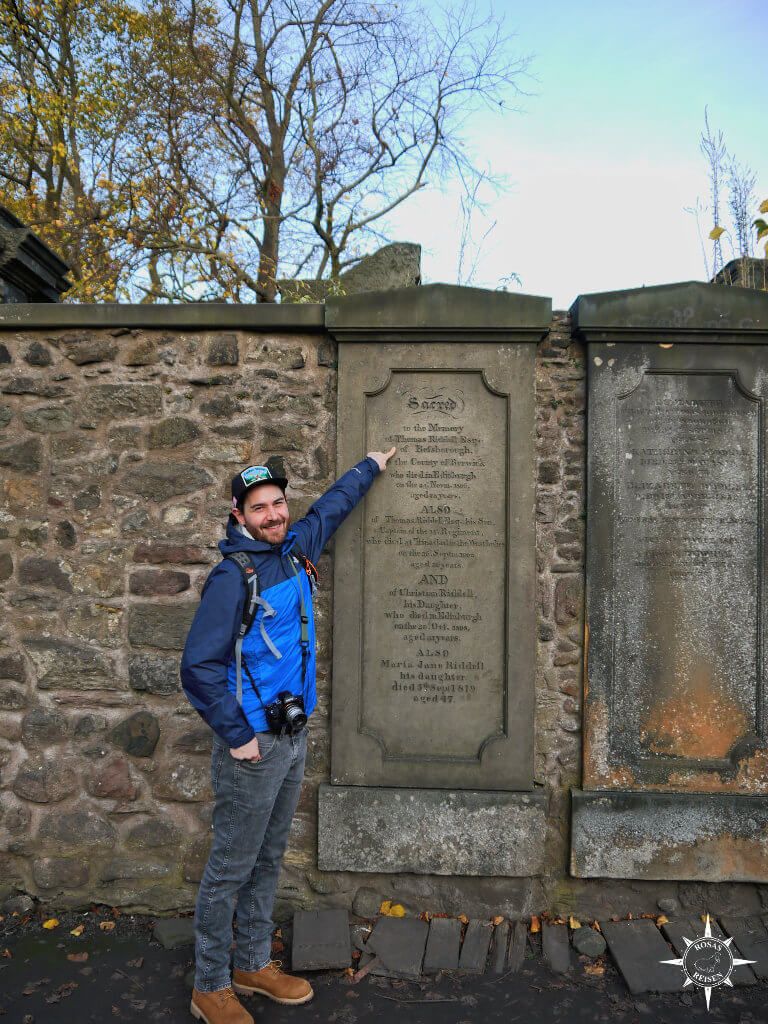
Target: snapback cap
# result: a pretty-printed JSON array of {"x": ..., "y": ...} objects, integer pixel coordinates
[{"x": 251, "y": 477}]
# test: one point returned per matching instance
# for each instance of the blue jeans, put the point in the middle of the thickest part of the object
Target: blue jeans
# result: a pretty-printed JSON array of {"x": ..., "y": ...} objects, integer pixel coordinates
[{"x": 254, "y": 804}]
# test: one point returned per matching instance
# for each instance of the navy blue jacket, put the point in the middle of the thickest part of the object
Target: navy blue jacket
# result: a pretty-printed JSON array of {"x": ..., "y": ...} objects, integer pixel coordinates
[{"x": 208, "y": 663}]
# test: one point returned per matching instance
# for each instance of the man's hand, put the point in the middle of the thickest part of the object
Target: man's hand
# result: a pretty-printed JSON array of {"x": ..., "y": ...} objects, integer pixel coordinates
[
  {"x": 250, "y": 752},
  {"x": 382, "y": 458}
]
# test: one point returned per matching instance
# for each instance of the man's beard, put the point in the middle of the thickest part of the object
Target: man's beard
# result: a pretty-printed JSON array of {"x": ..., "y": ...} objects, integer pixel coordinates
[{"x": 270, "y": 536}]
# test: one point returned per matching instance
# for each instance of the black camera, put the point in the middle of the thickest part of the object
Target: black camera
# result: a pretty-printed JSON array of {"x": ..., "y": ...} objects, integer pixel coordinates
[{"x": 286, "y": 715}]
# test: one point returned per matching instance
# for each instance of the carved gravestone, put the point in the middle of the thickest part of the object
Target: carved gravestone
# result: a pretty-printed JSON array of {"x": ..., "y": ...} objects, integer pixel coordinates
[
  {"x": 434, "y": 623},
  {"x": 675, "y": 749}
]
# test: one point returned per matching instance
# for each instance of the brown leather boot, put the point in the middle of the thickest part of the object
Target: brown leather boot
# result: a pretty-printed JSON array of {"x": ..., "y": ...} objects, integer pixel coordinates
[
  {"x": 221, "y": 1007},
  {"x": 272, "y": 982}
]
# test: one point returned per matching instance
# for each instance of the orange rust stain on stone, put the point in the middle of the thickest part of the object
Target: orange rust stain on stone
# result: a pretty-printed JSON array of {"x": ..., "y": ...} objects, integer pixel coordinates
[
  {"x": 722, "y": 858},
  {"x": 698, "y": 721},
  {"x": 598, "y": 773}
]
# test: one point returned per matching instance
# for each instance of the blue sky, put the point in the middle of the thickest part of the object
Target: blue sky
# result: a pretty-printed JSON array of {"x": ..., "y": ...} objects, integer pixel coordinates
[{"x": 604, "y": 155}]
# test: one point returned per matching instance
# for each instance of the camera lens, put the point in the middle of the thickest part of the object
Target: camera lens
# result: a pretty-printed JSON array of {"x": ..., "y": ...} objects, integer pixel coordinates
[{"x": 293, "y": 710}]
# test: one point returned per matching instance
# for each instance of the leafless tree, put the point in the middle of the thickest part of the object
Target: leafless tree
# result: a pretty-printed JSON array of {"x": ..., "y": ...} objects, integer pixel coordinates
[
  {"x": 337, "y": 111},
  {"x": 713, "y": 148}
]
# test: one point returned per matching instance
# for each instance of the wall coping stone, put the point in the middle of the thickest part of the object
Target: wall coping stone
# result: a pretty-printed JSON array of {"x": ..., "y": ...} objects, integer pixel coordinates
[
  {"x": 692, "y": 311},
  {"x": 181, "y": 316},
  {"x": 438, "y": 312}
]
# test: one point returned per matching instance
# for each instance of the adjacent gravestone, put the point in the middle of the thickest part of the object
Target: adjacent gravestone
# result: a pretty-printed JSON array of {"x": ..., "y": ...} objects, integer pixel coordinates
[
  {"x": 434, "y": 596},
  {"x": 675, "y": 742}
]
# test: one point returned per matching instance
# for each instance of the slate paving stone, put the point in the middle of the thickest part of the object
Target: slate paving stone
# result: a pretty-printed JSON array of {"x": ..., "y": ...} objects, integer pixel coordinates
[
  {"x": 517, "y": 945},
  {"x": 399, "y": 944},
  {"x": 751, "y": 936},
  {"x": 588, "y": 941},
  {"x": 499, "y": 951},
  {"x": 474, "y": 949},
  {"x": 555, "y": 946},
  {"x": 680, "y": 929},
  {"x": 321, "y": 940},
  {"x": 172, "y": 932},
  {"x": 638, "y": 947},
  {"x": 443, "y": 945}
]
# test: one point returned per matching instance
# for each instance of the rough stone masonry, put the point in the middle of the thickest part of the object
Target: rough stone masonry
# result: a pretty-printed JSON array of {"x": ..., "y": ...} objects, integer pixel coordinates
[{"x": 119, "y": 431}]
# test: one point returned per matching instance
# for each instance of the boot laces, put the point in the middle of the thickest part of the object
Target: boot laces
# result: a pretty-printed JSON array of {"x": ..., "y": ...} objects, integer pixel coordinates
[{"x": 225, "y": 995}]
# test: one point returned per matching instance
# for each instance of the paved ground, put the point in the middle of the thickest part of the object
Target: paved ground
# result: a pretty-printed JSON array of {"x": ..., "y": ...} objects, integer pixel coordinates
[{"x": 127, "y": 976}]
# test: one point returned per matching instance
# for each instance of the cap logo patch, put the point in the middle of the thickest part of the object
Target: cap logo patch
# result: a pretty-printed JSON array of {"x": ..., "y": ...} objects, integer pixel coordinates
[{"x": 255, "y": 473}]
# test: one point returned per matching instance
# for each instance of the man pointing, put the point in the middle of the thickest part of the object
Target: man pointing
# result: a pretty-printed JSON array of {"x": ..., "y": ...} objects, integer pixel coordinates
[{"x": 248, "y": 668}]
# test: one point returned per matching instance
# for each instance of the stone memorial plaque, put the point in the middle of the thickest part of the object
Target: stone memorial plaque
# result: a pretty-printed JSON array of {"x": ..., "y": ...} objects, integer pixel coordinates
[
  {"x": 433, "y": 624},
  {"x": 676, "y": 564}
]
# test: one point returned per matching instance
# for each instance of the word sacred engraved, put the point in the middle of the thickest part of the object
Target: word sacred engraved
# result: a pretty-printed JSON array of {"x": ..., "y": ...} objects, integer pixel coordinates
[{"x": 443, "y": 401}]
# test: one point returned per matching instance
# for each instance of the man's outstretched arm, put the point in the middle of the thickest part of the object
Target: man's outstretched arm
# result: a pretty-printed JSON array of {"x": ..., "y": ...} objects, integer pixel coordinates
[{"x": 329, "y": 511}]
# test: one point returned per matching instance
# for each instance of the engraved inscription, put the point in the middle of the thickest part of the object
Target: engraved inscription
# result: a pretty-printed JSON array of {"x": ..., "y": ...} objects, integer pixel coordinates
[
  {"x": 433, "y": 658},
  {"x": 686, "y": 558}
]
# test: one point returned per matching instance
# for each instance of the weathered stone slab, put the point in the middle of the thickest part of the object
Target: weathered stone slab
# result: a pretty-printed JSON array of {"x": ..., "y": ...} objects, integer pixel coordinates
[
  {"x": 751, "y": 936},
  {"x": 680, "y": 929},
  {"x": 675, "y": 534},
  {"x": 172, "y": 932},
  {"x": 443, "y": 945},
  {"x": 321, "y": 940},
  {"x": 399, "y": 945},
  {"x": 438, "y": 832},
  {"x": 499, "y": 950},
  {"x": 474, "y": 949},
  {"x": 714, "y": 837},
  {"x": 555, "y": 946},
  {"x": 433, "y": 633},
  {"x": 518, "y": 942},
  {"x": 638, "y": 949}
]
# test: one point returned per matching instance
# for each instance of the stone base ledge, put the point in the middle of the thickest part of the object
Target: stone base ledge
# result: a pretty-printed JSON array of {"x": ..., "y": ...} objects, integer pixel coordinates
[
  {"x": 431, "y": 831},
  {"x": 708, "y": 837}
]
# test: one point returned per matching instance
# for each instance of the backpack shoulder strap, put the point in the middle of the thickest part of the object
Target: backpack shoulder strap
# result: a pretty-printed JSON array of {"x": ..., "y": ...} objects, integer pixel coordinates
[
  {"x": 309, "y": 568},
  {"x": 251, "y": 580}
]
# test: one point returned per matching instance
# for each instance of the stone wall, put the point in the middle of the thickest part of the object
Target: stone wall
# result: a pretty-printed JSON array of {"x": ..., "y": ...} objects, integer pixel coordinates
[{"x": 119, "y": 431}]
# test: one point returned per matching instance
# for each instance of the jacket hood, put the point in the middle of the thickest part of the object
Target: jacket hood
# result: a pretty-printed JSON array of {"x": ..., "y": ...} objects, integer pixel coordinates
[{"x": 236, "y": 540}]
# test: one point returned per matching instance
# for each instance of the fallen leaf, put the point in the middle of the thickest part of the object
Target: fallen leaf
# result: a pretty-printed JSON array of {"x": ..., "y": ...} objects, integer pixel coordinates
[
  {"x": 662, "y": 919},
  {"x": 597, "y": 969},
  {"x": 138, "y": 962},
  {"x": 115, "y": 912},
  {"x": 716, "y": 231},
  {"x": 497, "y": 920},
  {"x": 384, "y": 908},
  {"x": 573, "y": 922},
  {"x": 463, "y": 918},
  {"x": 535, "y": 924},
  {"x": 349, "y": 971},
  {"x": 107, "y": 926},
  {"x": 397, "y": 910},
  {"x": 596, "y": 926},
  {"x": 77, "y": 958},
  {"x": 7, "y": 954},
  {"x": 52, "y": 922},
  {"x": 78, "y": 931}
]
